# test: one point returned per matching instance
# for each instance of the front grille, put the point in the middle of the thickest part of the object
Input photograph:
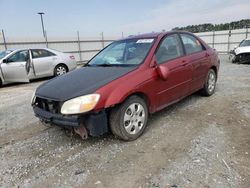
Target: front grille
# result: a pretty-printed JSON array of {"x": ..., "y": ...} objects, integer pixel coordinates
[{"x": 48, "y": 105}]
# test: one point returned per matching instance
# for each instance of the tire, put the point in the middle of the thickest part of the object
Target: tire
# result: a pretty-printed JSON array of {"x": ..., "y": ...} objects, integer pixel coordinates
[
  {"x": 210, "y": 84},
  {"x": 60, "y": 70},
  {"x": 1, "y": 83},
  {"x": 128, "y": 120}
]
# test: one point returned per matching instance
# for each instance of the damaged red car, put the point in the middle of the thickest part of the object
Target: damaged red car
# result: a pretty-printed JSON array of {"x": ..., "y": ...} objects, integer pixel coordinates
[{"x": 125, "y": 82}]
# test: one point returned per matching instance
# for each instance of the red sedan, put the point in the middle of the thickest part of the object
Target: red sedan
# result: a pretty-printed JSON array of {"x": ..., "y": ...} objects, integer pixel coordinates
[{"x": 128, "y": 80}]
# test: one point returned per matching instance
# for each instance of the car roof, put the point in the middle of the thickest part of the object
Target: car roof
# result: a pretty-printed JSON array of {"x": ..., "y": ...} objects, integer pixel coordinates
[
  {"x": 18, "y": 49},
  {"x": 145, "y": 35},
  {"x": 154, "y": 34}
]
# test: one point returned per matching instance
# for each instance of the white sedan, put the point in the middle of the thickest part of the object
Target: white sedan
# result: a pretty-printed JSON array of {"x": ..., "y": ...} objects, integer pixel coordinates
[
  {"x": 241, "y": 53},
  {"x": 23, "y": 65}
]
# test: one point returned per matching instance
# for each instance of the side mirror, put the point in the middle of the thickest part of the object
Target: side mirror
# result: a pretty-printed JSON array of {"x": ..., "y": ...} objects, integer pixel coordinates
[
  {"x": 5, "y": 61},
  {"x": 163, "y": 72}
]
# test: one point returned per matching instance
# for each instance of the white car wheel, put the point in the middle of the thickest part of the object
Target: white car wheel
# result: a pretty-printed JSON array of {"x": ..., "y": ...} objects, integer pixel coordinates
[{"x": 60, "y": 70}]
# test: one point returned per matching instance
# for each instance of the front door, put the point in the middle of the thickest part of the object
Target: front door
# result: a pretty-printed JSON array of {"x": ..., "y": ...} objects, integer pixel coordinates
[
  {"x": 170, "y": 54},
  {"x": 16, "y": 67}
]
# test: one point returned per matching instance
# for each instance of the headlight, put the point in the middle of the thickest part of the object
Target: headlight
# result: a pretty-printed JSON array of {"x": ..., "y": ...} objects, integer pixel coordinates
[
  {"x": 80, "y": 104},
  {"x": 33, "y": 98}
]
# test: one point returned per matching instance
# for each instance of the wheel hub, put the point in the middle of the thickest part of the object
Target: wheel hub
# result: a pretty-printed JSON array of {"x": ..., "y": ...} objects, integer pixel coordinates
[
  {"x": 134, "y": 118},
  {"x": 211, "y": 82},
  {"x": 60, "y": 70}
]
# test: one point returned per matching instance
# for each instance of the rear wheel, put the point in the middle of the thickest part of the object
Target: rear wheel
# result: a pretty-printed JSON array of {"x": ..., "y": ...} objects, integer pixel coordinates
[
  {"x": 128, "y": 120},
  {"x": 210, "y": 84},
  {"x": 1, "y": 83},
  {"x": 60, "y": 70}
]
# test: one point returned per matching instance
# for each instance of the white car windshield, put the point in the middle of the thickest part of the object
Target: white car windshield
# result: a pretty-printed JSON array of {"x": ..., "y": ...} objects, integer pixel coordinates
[
  {"x": 245, "y": 43},
  {"x": 4, "y": 53},
  {"x": 129, "y": 52}
]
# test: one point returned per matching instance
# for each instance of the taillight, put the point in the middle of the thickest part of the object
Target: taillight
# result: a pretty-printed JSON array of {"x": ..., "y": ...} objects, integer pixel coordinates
[{"x": 72, "y": 57}]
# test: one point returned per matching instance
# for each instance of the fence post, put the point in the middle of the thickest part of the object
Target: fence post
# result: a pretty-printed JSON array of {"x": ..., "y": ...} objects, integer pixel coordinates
[
  {"x": 79, "y": 46},
  {"x": 246, "y": 32},
  {"x": 228, "y": 43},
  {"x": 213, "y": 37},
  {"x": 102, "y": 40},
  {"x": 46, "y": 39},
  {"x": 4, "y": 40}
]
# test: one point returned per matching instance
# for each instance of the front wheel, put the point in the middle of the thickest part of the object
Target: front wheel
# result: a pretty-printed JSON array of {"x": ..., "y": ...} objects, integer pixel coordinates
[
  {"x": 210, "y": 84},
  {"x": 128, "y": 120},
  {"x": 60, "y": 70}
]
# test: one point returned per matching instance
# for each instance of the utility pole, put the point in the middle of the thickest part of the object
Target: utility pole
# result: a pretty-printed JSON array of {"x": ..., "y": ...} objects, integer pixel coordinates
[
  {"x": 44, "y": 33},
  {"x": 103, "y": 45},
  {"x": 4, "y": 40}
]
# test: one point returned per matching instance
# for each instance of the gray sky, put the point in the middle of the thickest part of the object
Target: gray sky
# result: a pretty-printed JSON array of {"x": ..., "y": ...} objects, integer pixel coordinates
[{"x": 63, "y": 18}]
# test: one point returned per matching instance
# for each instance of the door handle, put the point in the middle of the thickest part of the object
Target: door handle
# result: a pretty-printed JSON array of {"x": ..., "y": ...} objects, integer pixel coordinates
[
  {"x": 207, "y": 55},
  {"x": 184, "y": 63}
]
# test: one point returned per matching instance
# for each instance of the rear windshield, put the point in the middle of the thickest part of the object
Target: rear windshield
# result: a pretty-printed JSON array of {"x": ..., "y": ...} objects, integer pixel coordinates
[{"x": 127, "y": 52}]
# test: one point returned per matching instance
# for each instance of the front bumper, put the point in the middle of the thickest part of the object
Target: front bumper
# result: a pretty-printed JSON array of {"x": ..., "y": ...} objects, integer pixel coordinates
[
  {"x": 57, "y": 119},
  {"x": 95, "y": 123}
]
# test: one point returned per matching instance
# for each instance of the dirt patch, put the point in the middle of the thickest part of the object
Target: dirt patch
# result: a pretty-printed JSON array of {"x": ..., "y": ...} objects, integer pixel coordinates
[{"x": 198, "y": 142}]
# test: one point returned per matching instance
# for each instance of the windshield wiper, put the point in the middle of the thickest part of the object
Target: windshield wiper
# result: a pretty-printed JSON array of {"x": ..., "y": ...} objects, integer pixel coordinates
[{"x": 104, "y": 65}]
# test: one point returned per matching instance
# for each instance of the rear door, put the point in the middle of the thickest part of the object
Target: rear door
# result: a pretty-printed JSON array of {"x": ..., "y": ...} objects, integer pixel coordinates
[
  {"x": 43, "y": 61},
  {"x": 170, "y": 53},
  {"x": 17, "y": 67},
  {"x": 198, "y": 57}
]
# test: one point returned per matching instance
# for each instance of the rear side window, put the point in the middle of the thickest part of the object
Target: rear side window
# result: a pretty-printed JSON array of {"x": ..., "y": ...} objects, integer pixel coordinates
[
  {"x": 40, "y": 53},
  {"x": 170, "y": 48},
  {"x": 191, "y": 44}
]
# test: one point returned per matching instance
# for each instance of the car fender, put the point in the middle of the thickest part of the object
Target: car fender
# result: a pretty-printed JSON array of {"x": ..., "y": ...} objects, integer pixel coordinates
[
  {"x": 115, "y": 93},
  {"x": 115, "y": 97}
]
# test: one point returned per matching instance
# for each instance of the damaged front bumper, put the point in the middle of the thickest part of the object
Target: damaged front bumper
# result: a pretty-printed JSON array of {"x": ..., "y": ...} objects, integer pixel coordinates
[
  {"x": 242, "y": 58},
  {"x": 239, "y": 58},
  {"x": 96, "y": 124}
]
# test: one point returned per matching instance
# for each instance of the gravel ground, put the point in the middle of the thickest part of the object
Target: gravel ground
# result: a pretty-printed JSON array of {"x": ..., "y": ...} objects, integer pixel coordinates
[{"x": 198, "y": 142}]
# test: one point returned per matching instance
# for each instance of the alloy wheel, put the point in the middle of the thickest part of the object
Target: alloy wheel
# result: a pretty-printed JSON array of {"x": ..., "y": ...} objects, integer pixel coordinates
[
  {"x": 60, "y": 70},
  {"x": 211, "y": 82}
]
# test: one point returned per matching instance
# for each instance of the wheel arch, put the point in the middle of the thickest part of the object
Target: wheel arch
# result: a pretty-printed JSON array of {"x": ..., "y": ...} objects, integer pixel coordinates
[
  {"x": 140, "y": 94},
  {"x": 215, "y": 70}
]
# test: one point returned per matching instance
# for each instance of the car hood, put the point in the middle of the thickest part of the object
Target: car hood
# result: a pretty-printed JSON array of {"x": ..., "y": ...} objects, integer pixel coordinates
[
  {"x": 240, "y": 50},
  {"x": 80, "y": 82}
]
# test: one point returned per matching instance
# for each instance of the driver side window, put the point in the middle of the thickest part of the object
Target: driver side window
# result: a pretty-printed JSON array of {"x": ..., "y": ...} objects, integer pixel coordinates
[
  {"x": 170, "y": 48},
  {"x": 20, "y": 56}
]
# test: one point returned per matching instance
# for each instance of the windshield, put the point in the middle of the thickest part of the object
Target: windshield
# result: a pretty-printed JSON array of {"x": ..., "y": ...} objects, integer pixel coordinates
[
  {"x": 4, "y": 53},
  {"x": 245, "y": 43},
  {"x": 128, "y": 52}
]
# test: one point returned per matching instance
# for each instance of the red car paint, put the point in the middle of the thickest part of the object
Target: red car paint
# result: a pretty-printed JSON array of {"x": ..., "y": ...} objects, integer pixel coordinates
[{"x": 186, "y": 75}]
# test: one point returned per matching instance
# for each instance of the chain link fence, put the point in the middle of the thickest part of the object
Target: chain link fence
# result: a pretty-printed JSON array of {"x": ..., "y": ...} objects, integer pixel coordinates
[{"x": 85, "y": 49}]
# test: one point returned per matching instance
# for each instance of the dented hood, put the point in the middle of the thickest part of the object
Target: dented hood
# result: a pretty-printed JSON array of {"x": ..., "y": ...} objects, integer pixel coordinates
[{"x": 80, "y": 82}]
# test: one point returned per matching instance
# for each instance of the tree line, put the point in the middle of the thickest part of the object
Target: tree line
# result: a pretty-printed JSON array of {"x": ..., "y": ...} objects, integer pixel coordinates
[{"x": 215, "y": 27}]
